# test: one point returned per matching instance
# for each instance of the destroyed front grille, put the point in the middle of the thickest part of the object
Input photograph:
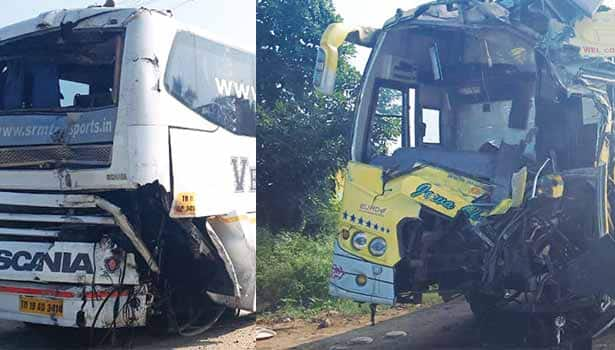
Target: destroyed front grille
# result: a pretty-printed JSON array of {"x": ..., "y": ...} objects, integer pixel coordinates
[
  {"x": 50, "y": 156},
  {"x": 36, "y": 217}
]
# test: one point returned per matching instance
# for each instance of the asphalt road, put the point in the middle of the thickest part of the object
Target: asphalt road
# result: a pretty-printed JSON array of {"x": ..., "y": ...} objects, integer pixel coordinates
[
  {"x": 442, "y": 326},
  {"x": 229, "y": 335},
  {"x": 446, "y": 326}
]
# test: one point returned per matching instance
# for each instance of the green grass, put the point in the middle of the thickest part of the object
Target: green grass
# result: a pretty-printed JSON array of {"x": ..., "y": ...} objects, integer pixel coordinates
[
  {"x": 342, "y": 307},
  {"x": 293, "y": 272},
  {"x": 292, "y": 275}
]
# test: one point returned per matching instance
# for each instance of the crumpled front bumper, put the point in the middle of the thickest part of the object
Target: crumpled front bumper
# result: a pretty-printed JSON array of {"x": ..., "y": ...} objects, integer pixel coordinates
[
  {"x": 76, "y": 300},
  {"x": 380, "y": 285}
]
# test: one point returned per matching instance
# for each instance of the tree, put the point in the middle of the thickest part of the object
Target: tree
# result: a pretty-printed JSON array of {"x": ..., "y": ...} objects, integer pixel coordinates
[{"x": 303, "y": 136}]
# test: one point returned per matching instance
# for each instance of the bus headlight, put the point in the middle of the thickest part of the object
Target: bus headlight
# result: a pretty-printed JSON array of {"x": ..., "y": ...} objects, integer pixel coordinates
[
  {"x": 378, "y": 246},
  {"x": 359, "y": 241}
]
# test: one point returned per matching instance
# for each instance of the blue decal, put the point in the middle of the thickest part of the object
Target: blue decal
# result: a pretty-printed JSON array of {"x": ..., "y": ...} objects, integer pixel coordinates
[
  {"x": 425, "y": 191},
  {"x": 474, "y": 213},
  {"x": 63, "y": 128}
]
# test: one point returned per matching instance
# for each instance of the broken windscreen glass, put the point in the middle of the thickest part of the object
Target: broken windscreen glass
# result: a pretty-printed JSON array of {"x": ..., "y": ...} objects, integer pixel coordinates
[{"x": 49, "y": 72}]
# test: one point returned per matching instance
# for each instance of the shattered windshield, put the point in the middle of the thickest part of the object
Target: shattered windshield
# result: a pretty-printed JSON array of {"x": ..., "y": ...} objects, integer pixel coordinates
[
  {"x": 461, "y": 90},
  {"x": 71, "y": 71}
]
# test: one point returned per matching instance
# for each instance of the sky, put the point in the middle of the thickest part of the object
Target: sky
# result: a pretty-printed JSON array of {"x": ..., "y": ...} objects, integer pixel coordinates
[
  {"x": 375, "y": 13},
  {"x": 233, "y": 21}
]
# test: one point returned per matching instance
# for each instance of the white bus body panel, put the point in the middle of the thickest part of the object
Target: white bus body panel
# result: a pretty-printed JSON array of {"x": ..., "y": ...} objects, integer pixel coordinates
[{"x": 222, "y": 180}]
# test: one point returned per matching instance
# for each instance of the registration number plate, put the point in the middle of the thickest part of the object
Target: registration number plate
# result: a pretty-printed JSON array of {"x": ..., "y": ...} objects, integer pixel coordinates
[{"x": 39, "y": 306}]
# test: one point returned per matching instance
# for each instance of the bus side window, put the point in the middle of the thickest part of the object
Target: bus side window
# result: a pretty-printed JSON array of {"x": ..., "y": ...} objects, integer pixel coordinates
[
  {"x": 71, "y": 92},
  {"x": 180, "y": 80},
  {"x": 4, "y": 71},
  {"x": 215, "y": 81},
  {"x": 431, "y": 121},
  {"x": 386, "y": 124}
]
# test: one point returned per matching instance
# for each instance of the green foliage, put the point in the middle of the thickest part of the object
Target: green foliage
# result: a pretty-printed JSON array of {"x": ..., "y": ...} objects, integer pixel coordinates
[
  {"x": 292, "y": 274},
  {"x": 292, "y": 269},
  {"x": 288, "y": 33},
  {"x": 345, "y": 307},
  {"x": 385, "y": 134},
  {"x": 303, "y": 137},
  {"x": 386, "y": 128}
]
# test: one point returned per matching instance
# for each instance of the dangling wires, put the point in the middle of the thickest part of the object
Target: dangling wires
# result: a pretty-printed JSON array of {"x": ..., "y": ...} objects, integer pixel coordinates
[
  {"x": 117, "y": 291},
  {"x": 505, "y": 233}
]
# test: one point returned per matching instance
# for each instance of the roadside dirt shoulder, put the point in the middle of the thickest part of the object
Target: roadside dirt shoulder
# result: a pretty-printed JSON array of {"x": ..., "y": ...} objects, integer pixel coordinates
[{"x": 292, "y": 333}]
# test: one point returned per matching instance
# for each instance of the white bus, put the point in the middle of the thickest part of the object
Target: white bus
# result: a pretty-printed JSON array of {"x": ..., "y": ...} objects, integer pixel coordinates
[{"x": 127, "y": 172}]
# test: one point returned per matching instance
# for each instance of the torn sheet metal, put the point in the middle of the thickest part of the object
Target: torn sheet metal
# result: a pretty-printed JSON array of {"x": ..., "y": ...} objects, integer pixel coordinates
[
  {"x": 238, "y": 235},
  {"x": 122, "y": 221},
  {"x": 224, "y": 297}
]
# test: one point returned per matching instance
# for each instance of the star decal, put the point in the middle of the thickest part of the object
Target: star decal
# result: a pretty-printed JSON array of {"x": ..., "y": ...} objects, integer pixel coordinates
[{"x": 364, "y": 221}]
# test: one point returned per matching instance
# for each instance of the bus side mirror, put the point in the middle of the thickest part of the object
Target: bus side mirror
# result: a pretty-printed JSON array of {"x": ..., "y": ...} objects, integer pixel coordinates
[
  {"x": 324, "y": 76},
  {"x": 328, "y": 57},
  {"x": 328, "y": 54}
]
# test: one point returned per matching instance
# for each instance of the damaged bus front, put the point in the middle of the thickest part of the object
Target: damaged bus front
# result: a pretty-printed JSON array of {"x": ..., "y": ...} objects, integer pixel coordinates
[
  {"x": 127, "y": 191},
  {"x": 482, "y": 162}
]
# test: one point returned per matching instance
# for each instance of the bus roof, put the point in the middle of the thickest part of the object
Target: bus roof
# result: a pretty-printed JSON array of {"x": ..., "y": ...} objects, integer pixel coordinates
[
  {"x": 90, "y": 17},
  {"x": 94, "y": 17}
]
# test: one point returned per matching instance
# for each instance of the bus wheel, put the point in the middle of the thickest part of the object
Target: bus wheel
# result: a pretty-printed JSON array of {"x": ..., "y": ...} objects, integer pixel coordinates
[{"x": 192, "y": 315}]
